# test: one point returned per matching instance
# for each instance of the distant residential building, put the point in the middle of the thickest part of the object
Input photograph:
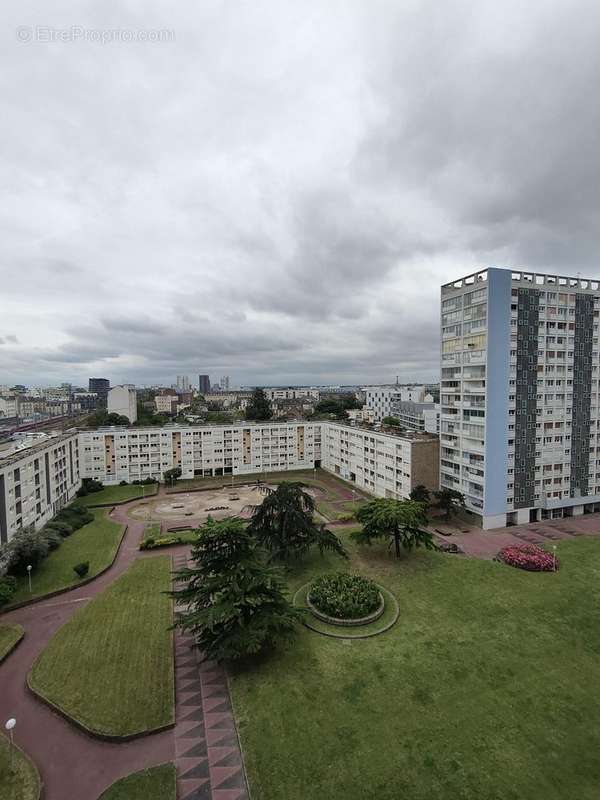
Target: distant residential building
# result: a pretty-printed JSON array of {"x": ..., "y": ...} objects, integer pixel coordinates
[
  {"x": 166, "y": 403},
  {"x": 292, "y": 393},
  {"x": 123, "y": 400},
  {"x": 381, "y": 398},
  {"x": 183, "y": 383},
  {"x": 9, "y": 406},
  {"x": 204, "y": 384},
  {"x": 86, "y": 400},
  {"x": 224, "y": 383},
  {"x": 101, "y": 387},
  {"x": 417, "y": 416}
]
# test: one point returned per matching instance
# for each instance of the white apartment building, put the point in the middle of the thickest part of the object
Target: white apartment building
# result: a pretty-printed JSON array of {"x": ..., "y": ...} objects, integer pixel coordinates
[
  {"x": 38, "y": 476},
  {"x": 293, "y": 393},
  {"x": 9, "y": 406},
  {"x": 112, "y": 455},
  {"x": 384, "y": 464},
  {"x": 424, "y": 417},
  {"x": 382, "y": 398},
  {"x": 123, "y": 400},
  {"x": 519, "y": 395}
]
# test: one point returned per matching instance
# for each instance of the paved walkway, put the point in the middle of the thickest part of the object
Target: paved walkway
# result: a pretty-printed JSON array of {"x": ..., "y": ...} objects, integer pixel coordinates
[
  {"x": 486, "y": 544},
  {"x": 208, "y": 756},
  {"x": 75, "y": 766}
]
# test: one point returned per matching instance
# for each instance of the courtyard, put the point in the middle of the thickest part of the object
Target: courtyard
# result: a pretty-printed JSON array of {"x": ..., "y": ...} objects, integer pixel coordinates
[{"x": 481, "y": 689}]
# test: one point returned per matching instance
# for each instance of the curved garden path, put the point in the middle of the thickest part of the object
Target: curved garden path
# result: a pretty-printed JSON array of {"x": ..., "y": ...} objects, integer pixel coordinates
[
  {"x": 72, "y": 764},
  {"x": 75, "y": 766}
]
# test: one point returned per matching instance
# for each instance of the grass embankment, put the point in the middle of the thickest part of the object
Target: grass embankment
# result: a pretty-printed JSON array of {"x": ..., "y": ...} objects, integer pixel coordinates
[
  {"x": 96, "y": 542},
  {"x": 22, "y": 782},
  {"x": 116, "y": 494},
  {"x": 484, "y": 688},
  {"x": 10, "y": 636},
  {"x": 155, "y": 783},
  {"x": 111, "y": 666}
]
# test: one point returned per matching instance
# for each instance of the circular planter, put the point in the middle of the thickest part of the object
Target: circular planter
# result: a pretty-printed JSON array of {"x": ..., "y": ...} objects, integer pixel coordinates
[
  {"x": 389, "y": 617},
  {"x": 350, "y": 623}
]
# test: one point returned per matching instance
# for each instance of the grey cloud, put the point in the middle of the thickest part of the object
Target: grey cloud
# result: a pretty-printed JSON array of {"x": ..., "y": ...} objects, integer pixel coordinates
[{"x": 288, "y": 211}]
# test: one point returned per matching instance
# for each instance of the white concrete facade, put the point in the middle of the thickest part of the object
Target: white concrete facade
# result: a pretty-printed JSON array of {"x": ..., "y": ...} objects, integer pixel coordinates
[
  {"x": 123, "y": 400},
  {"x": 36, "y": 480},
  {"x": 384, "y": 464}
]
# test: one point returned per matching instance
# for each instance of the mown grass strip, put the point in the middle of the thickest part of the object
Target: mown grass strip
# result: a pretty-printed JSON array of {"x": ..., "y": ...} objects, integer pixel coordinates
[{"x": 110, "y": 668}]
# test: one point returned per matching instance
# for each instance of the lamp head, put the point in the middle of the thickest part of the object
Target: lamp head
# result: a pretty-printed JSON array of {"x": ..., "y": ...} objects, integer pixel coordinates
[{"x": 10, "y": 724}]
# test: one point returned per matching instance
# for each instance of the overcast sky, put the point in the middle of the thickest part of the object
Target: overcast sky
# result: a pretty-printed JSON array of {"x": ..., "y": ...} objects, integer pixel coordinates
[{"x": 277, "y": 191}]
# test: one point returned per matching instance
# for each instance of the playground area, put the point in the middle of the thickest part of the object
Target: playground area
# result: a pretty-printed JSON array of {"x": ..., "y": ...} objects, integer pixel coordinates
[{"x": 193, "y": 508}]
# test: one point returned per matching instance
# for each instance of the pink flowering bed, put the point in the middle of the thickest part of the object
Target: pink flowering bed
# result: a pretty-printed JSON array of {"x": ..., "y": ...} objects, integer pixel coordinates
[{"x": 529, "y": 557}]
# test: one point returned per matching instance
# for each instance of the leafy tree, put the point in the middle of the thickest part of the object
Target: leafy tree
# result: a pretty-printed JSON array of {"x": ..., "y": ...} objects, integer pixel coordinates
[
  {"x": 171, "y": 475},
  {"x": 259, "y": 408},
  {"x": 450, "y": 501},
  {"x": 420, "y": 494},
  {"x": 401, "y": 521},
  {"x": 284, "y": 525},
  {"x": 218, "y": 417},
  {"x": 330, "y": 407},
  {"x": 393, "y": 422},
  {"x": 235, "y": 604},
  {"x": 102, "y": 417}
]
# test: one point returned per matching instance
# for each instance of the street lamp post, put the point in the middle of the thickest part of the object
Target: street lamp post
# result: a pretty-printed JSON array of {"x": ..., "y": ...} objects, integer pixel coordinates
[
  {"x": 554, "y": 558},
  {"x": 29, "y": 576},
  {"x": 9, "y": 725}
]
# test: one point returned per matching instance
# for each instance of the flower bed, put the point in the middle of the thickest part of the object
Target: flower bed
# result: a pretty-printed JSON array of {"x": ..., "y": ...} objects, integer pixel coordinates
[
  {"x": 529, "y": 557},
  {"x": 346, "y": 598}
]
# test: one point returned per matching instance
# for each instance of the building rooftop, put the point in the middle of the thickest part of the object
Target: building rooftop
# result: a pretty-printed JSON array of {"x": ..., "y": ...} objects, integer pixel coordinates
[{"x": 12, "y": 450}]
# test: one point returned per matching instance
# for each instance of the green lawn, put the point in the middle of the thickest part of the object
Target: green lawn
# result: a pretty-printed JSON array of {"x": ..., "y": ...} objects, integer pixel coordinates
[
  {"x": 9, "y": 636},
  {"x": 96, "y": 542},
  {"x": 111, "y": 666},
  {"x": 156, "y": 783},
  {"x": 23, "y": 781},
  {"x": 485, "y": 688},
  {"x": 116, "y": 494}
]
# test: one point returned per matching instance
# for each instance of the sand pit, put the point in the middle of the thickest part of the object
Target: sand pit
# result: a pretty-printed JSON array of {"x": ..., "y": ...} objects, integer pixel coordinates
[{"x": 193, "y": 507}]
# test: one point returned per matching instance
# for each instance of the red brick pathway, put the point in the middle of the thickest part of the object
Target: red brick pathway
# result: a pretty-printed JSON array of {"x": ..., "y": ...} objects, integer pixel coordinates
[
  {"x": 486, "y": 544},
  {"x": 74, "y": 766}
]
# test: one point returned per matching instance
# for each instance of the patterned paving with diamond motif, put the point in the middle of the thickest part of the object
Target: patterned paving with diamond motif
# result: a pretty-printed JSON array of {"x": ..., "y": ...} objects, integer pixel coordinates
[{"x": 207, "y": 749}]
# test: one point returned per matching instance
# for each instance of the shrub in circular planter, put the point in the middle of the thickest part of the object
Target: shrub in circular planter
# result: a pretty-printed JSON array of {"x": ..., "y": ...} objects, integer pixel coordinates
[
  {"x": 529, "y": 557},
  {"x": 345, "y": 596}
]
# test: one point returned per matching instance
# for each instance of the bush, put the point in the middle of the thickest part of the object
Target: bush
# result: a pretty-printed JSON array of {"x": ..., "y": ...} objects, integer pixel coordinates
[
  {"x": 123, "y": 483},
  {"x": 88, "y": 486},
  {"x": 26, "y": 547},
  {"x": 162, "y": 541},
  {"x": 64, "y": 528},
  {"x": 346, "y": 517},
  {"x": 53, "y": 537},
  {"x": 8, "y": 584},
  {"x": 82, "y": 569},
  {"x": 344, "y": 596},
  {"x": 529, "y": 557}
]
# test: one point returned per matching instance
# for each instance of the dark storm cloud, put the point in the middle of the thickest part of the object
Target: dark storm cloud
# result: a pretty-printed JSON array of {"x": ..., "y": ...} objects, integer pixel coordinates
[{"x": 278, "y": 193}]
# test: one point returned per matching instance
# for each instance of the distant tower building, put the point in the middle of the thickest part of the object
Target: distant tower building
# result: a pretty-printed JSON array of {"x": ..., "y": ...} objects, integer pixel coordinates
[
  {"x": 123, "y": 400},
  {"x": 224, "y": 382},
  {"x": 101, "y": 387},
  {"x": 204, "y": 384},
  {"x": 183, "y": 383}
]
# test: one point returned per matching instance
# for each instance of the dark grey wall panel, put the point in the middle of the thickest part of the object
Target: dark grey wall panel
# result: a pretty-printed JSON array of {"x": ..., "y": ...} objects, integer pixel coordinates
[
  {"x": 528, "y": 304},
  {"x": 582, "y": 395}
]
